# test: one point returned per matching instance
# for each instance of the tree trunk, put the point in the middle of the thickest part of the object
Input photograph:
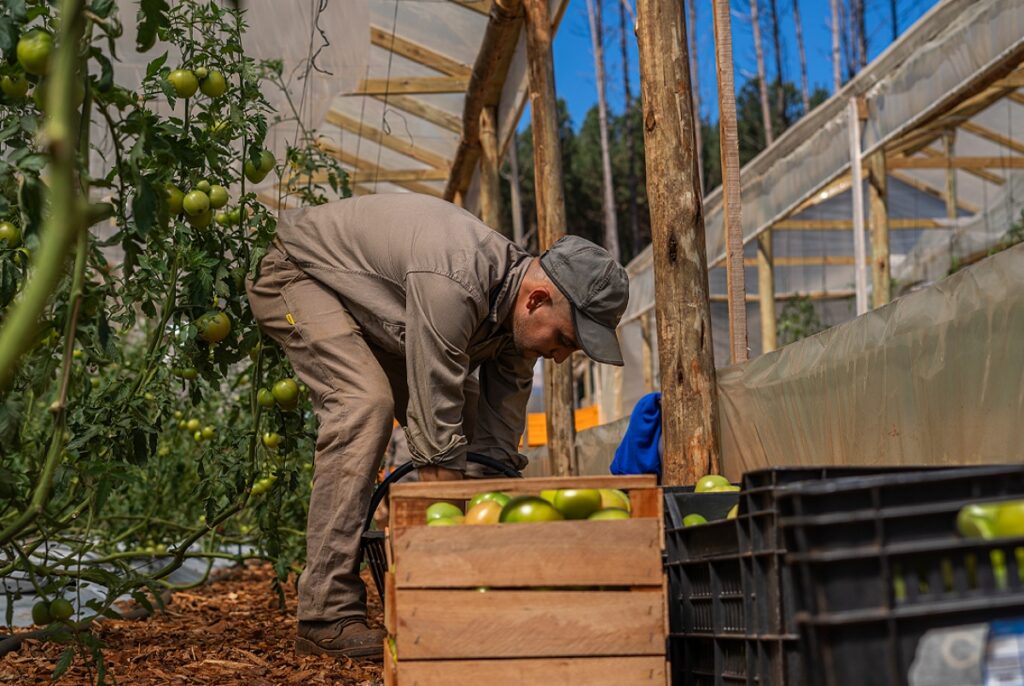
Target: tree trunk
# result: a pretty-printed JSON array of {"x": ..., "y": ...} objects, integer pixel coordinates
[
  {"x": 732, "y": 207},
  {"x": 634, "y": 213},
  {"x": 611, "y": 226},
  {"x": 695, "y": 80},
  {"x": 514, "y": 189},
  {"x": 845, "y": 34},
  {"x": 766, "y": 115},
  {"x": 780, "y": 78},
  {"x": 837, "y": 61},
  {"x": 862, "y": 35},
  {"x": 682, "y": 309},
  {"x": 805, "y": 94},
  {"x": 549, "y": 190},
  {"x": 895, "y": 20}
]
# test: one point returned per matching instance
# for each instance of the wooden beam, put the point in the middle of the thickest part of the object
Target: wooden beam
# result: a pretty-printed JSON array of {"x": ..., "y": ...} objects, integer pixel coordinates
[
  {"x": 857, "y": 191},
  {"x": 731, "y": 205},
  {"x": 418, "y": 53},
  {"x": 387, "y": 175},
  {"x": 940, "y": 161},
  {"x": 808, "y": 261},
  {"x": 800, "y": 295},
  {"x": 1017, "y": 98},
  {"x": 905, "y": 223},
  {"x": 925, "y": 187},
  {"x": 411, "y": 85},
  {"x": 690, "y": 419},
  {"x": 1013, "y": 80},
  {"x": 490, "y": 190},
  {"x": 980, "y": 173},
  {"x": 370, "y": 168},
  {"x": 485, "y": 85},
  {"x": 420, "y": 109},
  {"x": 990, "y": 135},
  {"x": 388, "y": 140},
  {"x": 550, "y": 195},
  {"x": 949, "y": 152},
  {"x": 478, "y": 6},
  {"x": 878, "y": 202}
]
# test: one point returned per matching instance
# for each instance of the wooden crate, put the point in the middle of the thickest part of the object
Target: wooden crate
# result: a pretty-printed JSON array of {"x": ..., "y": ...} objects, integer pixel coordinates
[{"x": 570, "y": 602}]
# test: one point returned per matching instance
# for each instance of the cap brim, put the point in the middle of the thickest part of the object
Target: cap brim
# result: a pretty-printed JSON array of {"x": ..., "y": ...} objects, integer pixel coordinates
[{"x": 598, "y": 341}]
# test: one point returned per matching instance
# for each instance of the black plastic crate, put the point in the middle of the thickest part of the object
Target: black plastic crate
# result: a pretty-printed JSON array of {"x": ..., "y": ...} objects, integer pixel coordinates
[{"x": 878, "y": 563}]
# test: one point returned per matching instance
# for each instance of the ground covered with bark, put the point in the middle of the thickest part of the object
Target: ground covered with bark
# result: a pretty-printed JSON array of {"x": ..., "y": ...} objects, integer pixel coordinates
[{"x": 231, "y": 630}]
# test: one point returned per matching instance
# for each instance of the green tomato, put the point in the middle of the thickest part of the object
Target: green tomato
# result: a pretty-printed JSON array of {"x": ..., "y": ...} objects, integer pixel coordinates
[
  {"x": 218, "y": 197},
  {"x": 34, "y": 48},
  {"x": 442, "y": 511},
  {"x": 610, "y": 513},
  {"x": 61, "y": 610},
  {"x": 222, "y": 219},
  {"x": 286, "y": 393},
  {"x": 214, "y": 85},
  {"x": 209, "y": 432},
  {"x": 203, "y": 186},
  {"x": 235, "y": 215},
  {"x": 201, "y": 72},
  {"x": 694, "y": 520},
  {"x": 214, "y": 326},
  {"x": 271, "y": 440},
  {"x": 196, "y": 203},
  {"x": 193, "y": 424},
  {"x": 253, "y": 173},
  {"x": 201, "y": 221},
  {"x": 709, "y": 482},
  {"x": 41, "y": 613},
  {"x": 267, "y": 162},
  {"x": 184, "y": 81},
  {"x": 14, "y": 87},
  {"x": 9, "y": 235},
  {"x": 175, "y": 199},
  {"x": 265, "y": 398}
]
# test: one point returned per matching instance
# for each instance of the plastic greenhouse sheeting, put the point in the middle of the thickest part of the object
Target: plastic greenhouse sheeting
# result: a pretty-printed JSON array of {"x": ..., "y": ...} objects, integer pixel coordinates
[{"x": 936, "y": 377}]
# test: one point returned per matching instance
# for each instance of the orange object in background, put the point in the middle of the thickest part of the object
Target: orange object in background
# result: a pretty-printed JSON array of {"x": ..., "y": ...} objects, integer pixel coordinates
[{"x": 537, "y": 428}]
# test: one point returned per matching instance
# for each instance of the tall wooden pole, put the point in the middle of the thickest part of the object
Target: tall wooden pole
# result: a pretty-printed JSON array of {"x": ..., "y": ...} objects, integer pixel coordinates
[
  {"x": 682, "y": 309},
  {"x": 634, "y": 213},
  {"x": 611, "y": 225},
  {"x": 730, "y": 153},
  {"x": 878, "y": 201},
  {"x": 698, "y": 133},
  {"x": 765, "y": 263},
  {"x": 490, "y": 191},
  {"x": 550, "y": 198},
  {"x": 517, "y": 202}
]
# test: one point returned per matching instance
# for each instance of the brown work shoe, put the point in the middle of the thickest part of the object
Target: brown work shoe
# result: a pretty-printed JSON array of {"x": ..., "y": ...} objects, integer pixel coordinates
[{"x": 341, "y": 638}]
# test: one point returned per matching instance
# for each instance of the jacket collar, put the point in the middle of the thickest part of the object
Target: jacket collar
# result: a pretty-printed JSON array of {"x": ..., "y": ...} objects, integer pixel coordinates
[{"x": 503, "y": 298}]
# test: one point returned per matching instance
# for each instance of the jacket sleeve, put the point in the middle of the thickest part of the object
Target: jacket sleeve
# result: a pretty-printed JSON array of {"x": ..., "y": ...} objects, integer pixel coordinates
[
  {"x": 440, "y": 317},
  {"x": 505, "y": 384}
]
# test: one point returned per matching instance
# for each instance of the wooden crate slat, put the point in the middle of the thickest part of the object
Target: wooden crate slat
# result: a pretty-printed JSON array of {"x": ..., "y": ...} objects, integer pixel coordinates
[
  {"x": 390, "y": 668},
  {"x": 592, "y": 671},
  {"x": 606, "y": 553},
  {"x": 498, "y": 624},
  {"x": 468, "y": 488}
]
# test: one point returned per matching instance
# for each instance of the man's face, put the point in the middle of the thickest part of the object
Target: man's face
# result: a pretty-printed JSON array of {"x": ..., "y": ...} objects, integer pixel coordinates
[{"x": 543, "y": 328}]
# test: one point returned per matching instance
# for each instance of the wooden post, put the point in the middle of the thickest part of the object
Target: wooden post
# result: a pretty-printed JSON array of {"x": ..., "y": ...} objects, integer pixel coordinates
[
  {"x": 860, "y": 254},
  {"x": 517, "y": 204},
  {"x": 682, "y": 309},
  {"x": 949, "y": 146},
  {"x": 732, "y": 206},
  {"x": 647, "y": 351},
  {"x": 490, "y": 192},
  {"x": 878, "y": 201},
  {"x": 550, "y": 195},
  {"x": 766, "y": 291}
]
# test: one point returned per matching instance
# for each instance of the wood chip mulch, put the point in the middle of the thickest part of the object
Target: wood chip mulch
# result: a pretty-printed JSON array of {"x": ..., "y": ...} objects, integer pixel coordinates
[{"x": 230, "y": 631}]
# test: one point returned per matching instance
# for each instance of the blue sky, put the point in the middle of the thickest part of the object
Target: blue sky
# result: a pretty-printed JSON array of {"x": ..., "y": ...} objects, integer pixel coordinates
[{"x": 574, "y": 66}]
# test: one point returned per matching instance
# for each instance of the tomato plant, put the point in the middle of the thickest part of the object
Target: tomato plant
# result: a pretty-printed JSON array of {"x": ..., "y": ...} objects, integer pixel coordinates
[{"x": 133, "y": 378}]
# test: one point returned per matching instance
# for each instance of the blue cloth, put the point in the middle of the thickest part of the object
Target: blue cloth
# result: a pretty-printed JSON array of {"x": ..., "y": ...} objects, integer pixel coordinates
[{"x": 639, "y": 452}]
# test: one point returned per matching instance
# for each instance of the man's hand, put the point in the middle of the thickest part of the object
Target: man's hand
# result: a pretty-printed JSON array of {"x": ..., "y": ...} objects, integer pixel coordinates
[{"x": 434, "y": 473}]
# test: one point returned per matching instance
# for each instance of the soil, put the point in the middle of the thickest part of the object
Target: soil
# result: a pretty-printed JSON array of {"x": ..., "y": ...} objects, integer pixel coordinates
[{"x": 230, "y": 630}]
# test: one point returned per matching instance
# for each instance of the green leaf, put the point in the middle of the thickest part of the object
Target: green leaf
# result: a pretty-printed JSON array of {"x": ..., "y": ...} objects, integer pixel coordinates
[
  {"x": 154, "y": 66},
  {"x": 144, "y": 208},
  {"x": 18, "y": 10},
  {"x": 106, "y": 80},
  {"x": 8, "y": 35},
  {"x": 103, "y": 8},
  {"x": 152, "y": 18},
  {"x": 63, "y": 662}
]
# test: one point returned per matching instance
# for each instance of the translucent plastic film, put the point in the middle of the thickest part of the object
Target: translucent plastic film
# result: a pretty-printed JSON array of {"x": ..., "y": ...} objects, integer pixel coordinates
[{"x": 936, "y": 377}]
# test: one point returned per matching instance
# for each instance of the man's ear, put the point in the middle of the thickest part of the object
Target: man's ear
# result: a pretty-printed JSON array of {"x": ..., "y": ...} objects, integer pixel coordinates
[{"x": 538, "y": 297}]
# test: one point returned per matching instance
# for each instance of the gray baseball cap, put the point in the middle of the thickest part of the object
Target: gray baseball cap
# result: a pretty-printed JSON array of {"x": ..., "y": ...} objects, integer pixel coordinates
[{"x": 597, "y": 289}]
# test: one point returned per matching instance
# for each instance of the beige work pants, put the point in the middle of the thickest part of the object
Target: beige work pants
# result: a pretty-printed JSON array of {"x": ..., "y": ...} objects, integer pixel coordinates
[{"x": 357, "y": 391}]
